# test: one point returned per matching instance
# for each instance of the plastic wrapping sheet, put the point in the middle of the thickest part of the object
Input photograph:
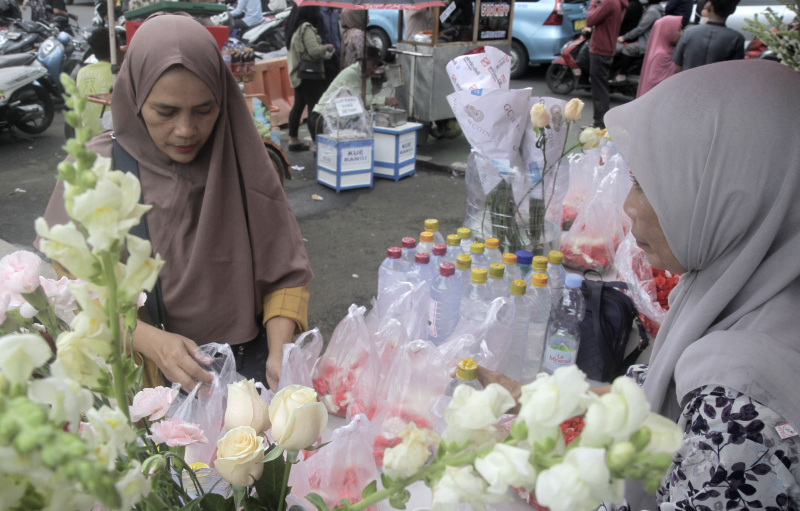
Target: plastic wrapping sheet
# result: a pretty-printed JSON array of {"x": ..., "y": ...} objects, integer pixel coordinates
[
  {"x": 299, "y": 358},
  {"x": 345, "y": 118},
  {"x": 493, "y": 326},
  {"x": 582, "y": 170}
]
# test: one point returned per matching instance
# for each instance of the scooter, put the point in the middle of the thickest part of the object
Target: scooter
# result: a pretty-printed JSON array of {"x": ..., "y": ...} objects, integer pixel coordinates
[
  {"x": 9, "y": 12},
  {"x": 24, "y": 104},
  {"x": 266, "y": 37},
  {"x": 24, "y": 36}
]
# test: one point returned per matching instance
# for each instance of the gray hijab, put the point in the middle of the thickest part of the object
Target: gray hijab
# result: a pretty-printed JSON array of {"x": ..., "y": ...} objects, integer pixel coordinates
[{"x": 717, "y": 153}]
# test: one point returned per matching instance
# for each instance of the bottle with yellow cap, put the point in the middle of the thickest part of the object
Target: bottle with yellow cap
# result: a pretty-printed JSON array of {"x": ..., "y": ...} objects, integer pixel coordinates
[
  {"x": 425, "y": 244},
  {"x": 476, "y": 296},
  {"x": 464, "y": 269},
  {"x": 539, "y": 299},
  {"x": 465, "y": 235},
  {"x": 466, "y": 374},
  {"x": 519, "y": 333},
  {"x": 453, "y": 245},
  {"x": 476, "y": 252},
  {"x": 539, "y": 265},
  {"x": 512, "y": 271},
  {"x": 493, "y": 252},
  {"x": 497, "y": 283},
  {"x": 432, "y": 226},
  {"x": 556, "y": 274}
]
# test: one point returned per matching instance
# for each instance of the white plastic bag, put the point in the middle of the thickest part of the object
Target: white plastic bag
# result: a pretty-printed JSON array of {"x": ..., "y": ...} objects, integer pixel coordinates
[
  {"x": 344, "y": 116},
  {"x": 299, "y": 358}
]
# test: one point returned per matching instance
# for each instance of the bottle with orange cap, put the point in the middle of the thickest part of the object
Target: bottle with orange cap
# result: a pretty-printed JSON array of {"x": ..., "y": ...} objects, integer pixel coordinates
[
  {"x": 466, "y": 374},
  {"x": 425, "y": 244},
  {"x": 539, "y": 299},
  {"x": 432, "y": 226},
  {"x": 493, "y": 252}
]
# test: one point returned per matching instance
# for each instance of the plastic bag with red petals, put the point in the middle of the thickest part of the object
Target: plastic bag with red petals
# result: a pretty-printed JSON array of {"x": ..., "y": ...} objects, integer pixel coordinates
[
  {"x": 338, "y": 369},
  {"x": 581, "y": 184},
  {"x": 494, "y": 327},
  {"x": 299, "y": 358}
]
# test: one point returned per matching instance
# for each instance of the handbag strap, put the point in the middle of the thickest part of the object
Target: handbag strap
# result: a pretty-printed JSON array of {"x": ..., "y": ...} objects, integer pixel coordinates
[{"x": 155, "y": 300}]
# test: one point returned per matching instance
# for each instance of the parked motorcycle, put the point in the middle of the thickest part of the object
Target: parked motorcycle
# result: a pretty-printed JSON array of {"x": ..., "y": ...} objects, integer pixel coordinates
[
  {"x": 266, "y": 37},
  {"x": 23, "y": 36},
  {"x": 24, "y": 104},
  {"x": 9, "y": 11}
]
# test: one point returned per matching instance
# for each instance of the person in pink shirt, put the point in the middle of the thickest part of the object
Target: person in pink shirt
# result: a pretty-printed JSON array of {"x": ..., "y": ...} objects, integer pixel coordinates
[{"x": 658, "y": 65}]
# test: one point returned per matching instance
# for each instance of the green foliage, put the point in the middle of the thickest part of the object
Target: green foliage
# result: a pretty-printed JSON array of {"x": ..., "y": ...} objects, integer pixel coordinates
[
  {"x": 317, "y": 501},
  {"x": 370, "y": 489},
  {"x": 399, "y": 499},
  {"x": 269, "y": 485},
  {"x": 783, "y": 40}
]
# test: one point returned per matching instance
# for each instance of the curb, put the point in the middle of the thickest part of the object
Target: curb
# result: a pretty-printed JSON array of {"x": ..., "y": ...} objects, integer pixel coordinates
[{"x": 430, "y": 166}]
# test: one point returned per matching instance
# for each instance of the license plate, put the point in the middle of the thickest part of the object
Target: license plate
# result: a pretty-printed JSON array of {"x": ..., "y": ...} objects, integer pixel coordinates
[{"x": 579, "y": 24}]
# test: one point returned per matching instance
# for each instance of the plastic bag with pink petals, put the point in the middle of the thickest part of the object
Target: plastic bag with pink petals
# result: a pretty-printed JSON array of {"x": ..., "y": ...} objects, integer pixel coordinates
[{"x": 299, "y": 358}]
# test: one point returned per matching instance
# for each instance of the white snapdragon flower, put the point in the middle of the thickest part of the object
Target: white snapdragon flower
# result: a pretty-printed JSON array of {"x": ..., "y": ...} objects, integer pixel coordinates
[
  {"x": 76, "y": 360},
  {"x": 579, "y": 483},
  {"x": 132, "y": 486},
  {"x": 66, "y": 244},
  {"x": 462, "y": 485},
  {"x": 67, "y": 400},
  {"x": 404, "y": 460},
  {"x": 20, "y": 354},
  {"x": 111, "y": 426},
  {"x": 615, "y": 416},
  {"x": 506, "y": 466},
  {"x": 665, "y": 435},
  {"x": 140, "y": 272},
  {"x": 472, "y": 411}
]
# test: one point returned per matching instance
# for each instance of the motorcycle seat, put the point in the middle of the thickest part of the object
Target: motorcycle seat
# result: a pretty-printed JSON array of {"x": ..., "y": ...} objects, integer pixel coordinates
[{"x": 17, "y": 59}]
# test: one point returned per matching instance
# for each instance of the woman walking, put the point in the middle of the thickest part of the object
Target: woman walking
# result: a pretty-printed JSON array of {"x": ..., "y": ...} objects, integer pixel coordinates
[{"x": 354, "y": 25}]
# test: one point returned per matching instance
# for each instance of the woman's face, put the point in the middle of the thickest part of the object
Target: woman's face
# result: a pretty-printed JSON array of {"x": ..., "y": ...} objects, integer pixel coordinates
[
  {"x": 647, "y": 231},
  {"x": 180, "y": 114}
]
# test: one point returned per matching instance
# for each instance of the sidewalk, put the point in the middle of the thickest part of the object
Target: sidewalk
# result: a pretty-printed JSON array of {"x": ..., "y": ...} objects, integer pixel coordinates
[{"x": 7, "y": 248}]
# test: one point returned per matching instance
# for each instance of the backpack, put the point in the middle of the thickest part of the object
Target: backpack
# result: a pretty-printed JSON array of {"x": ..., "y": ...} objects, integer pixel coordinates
[{"x": 605, "y": 331}]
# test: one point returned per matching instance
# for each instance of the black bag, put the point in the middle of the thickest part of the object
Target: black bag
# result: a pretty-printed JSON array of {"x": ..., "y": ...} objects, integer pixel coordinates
[
  {"x": 311, "y": 70},
  {"x": 605, "y": 331}
]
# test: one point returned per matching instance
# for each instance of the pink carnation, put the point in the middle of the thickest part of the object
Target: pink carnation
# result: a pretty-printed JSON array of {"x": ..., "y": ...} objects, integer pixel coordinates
[
  {"x": 4, "y": 301},
  {"x": 58, "y": 293},
  {"x": 19, "y": 272},
  {"x": 152, "y": 403},
  {"x": 176, "y": 432}
]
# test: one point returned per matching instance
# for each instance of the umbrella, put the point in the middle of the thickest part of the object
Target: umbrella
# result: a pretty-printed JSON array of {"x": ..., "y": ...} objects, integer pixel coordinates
[{"x": 407, "y": 5}]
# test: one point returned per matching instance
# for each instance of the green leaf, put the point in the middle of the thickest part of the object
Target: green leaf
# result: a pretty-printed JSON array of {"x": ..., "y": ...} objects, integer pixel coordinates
[
  {"x": 253, "y": 504},
  {"x": 214, "y": 502},
  {"x": 317, "y": 501},
  {"x": 316, "y": 447},
  {"x": 269, "y": 485},
  {"x": 273, "y": 453},
  {"x": 519, "y": 430},
  {"x": 370, "y": 489},
  {"x": 399, "y": 499},
  {"x": 239, "y": 494},
  {"x": 386, "y": 481}
]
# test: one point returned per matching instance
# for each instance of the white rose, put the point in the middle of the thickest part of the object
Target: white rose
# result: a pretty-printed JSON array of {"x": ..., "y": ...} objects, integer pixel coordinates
[
  {"x": 19, "y": 272},
  {"x": 580, "y": 483},
  {"x": 239, "y": 455},
  {"x": 590, "y": 138},
  {"x": 573, "y": 109},
  {"x": 462, "y": 484},
  {"x": 473, "y": 410},
  {"x": 665, "y": 436},
  {"x": 403, "y": 460},
  {"x": 297, "y": 418},
  {"x": 539, "y": 116},
  {"x": 506, "y": 466},
  {"x": 245, "y": 407},
  {"x": 549, "y": 400},
  {"x": 132, "y": 486},
  {"x": 67, "y": 400},
  {"x": 141, "y": 270},
  {"x": 66, "y": 244},
  {"x": 615, "y": 416},
  {"x": 20, "y": 354}
]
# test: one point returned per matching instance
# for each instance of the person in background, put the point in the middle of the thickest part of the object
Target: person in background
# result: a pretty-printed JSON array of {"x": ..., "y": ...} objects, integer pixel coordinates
[
  {"x": 331, "y": 33},
  {"x": 682, "y": 8},
  {"x": 632, "y": 16},
  {"x": 354, "y": 25},
  {"x": 351, "y": 78},
  {"x": 304, "y": 43},
  {"x": 246, "y": 15},
  {"x": 417, "y": 21},
  {"x": 96, "y": 78},
  {"x": 710, "y": 42},
  {"x": 38, "y": 10},
  {"x": 636, "y": 39},
  {"x": 658, "y": 65},
  {"x": 605, "y": 18},
  {"x": 60, "y": 9}
]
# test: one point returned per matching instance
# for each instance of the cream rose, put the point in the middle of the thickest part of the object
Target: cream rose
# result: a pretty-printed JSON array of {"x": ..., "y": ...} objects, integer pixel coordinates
[
  {"x": 239, "y": 454},
  {"x": 405, "y": 459},
  {"x": 297, "y": 418},
  {"x": 590, "y": 138},
  {"x": 245, "y": 407},
  {"x": 539, "y": 116},
  {"x": 573, "y": 109}
]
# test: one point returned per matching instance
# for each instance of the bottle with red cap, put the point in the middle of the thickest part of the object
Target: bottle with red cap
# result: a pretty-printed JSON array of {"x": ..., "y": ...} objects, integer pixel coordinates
[
  {"x": 409, "y": 247},
  {"x": 438, "y": 256},
  {"x": 421, "y": 271},
  {"x": 392, "y": 270},
  {"x": 445, "y": 302},
  {"x": 425, "y": 242}
]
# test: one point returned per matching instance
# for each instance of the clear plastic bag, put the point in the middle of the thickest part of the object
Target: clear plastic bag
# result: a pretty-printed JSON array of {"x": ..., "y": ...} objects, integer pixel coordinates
[
  {"x": 495, "y": 328},
  {"x": 581, "y": 185},
  {"x": 205, "y": 405},
  {"x": 344, "y": 116},
  {"x": 408, "y": 304},
  {"x": 338, "y": 369},
  {"x": 299, "y": 358}
]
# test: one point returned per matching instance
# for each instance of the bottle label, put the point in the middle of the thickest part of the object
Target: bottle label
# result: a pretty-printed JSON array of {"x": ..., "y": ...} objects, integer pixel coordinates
[
  {"x": 558, "y": 355},
  {"x": 432, "y": 318}
]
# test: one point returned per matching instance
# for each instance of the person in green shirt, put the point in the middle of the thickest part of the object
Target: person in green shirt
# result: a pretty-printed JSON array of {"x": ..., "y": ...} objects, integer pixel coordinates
[
  {"x": 96, "y": 78},
  {"x": 351, "y": 77}
]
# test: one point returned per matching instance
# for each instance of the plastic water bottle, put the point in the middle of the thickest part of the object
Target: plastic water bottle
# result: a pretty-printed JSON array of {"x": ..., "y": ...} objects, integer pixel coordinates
[
  {"x": 563, "y": 333},
  {"x": 437, "y": 256},
  {"x": 453, "y": 248},
  {"x": 464, "y": 269},
  {"x": 512, "y": 272},
  {"x": 445, "y": 301},
  {"x": 432, "y": 225},
  {"x": 493, "y": 253},
  {"x": 393, "y": 269},
  {"x": 275, "y": 135},
  {"x": 555, "y": 274},
  {"x": 421, "y": 271},
  {"x": 409, "y": 245},
  {"x": 465, "y": 235},
  {"x": 539, "y": 265},
  {"x": 478, "y": 257},
  {"x": 497, "y": 283},
  {"x": 425, "y": 242},
  {"x": 538, "y": 296},
  {"x": 524, "y": 260},
  {"x": 477, "y": 293},
  {"x": 258, "y": 113},
  {"x": 519, "y": 336},
  {"x": 466, "y": 374}
]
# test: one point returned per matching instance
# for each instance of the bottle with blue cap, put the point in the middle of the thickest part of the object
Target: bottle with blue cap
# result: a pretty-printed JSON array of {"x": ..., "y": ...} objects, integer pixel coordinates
[
  {"x": 524, "y": 261},
  {"x": 563, "y": 331}
]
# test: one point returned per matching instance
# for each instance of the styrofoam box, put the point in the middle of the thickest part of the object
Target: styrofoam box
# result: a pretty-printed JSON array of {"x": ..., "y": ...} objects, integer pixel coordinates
[
  {"x": 396, "y": 150},
  {"x": 344, "y": 164}
]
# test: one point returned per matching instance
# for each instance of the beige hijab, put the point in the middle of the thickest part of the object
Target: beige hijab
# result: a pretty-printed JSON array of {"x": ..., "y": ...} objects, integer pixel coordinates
[
  {"x": 716, "y": 151},
  {"x": 222, "y": 222}
]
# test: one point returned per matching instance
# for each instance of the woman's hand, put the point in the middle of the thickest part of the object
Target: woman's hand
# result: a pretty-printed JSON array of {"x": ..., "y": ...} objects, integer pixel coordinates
[
  {"x": 178, "y": 357},
  {"x": 391, "y": 102},
  {"x": 485, "y": 376},
  {"x": 279, "y": 332},
  {"x": 329, "y": 48}
]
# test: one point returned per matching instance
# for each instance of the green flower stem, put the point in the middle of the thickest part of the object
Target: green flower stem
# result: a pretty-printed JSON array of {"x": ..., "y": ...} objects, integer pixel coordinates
[
  {"x": 112, "y": 313},
  {"x": 291, "y": 459}
]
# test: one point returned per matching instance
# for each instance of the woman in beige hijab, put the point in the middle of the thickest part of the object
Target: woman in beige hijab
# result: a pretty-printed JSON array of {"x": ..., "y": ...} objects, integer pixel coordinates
[{"x": 236, "y": 268}]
